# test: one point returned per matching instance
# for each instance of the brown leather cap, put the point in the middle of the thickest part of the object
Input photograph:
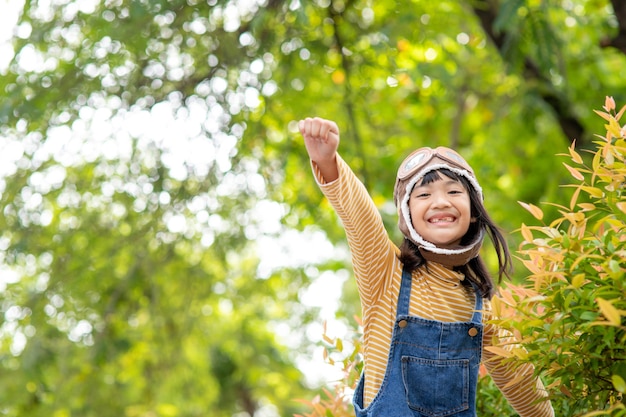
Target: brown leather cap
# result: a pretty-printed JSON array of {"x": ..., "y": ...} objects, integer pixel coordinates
[{"x": 411, "y": 171}]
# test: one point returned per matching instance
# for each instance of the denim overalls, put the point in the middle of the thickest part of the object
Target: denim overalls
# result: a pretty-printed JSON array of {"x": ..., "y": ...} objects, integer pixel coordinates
[{"x": 432, "y": 369}]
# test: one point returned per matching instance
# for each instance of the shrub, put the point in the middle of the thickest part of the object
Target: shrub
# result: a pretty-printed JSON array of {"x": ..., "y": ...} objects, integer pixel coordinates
[{"x": 571, "y": 314}]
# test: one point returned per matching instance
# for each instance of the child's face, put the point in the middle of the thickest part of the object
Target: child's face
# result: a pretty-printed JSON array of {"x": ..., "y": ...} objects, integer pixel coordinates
[{"x": 441, "y": 211}]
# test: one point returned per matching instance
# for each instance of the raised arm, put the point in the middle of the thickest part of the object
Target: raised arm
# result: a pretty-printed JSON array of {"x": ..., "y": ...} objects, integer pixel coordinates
[
  {"x": 321, "y": 138},
  {"x": 373, "y": 254}
]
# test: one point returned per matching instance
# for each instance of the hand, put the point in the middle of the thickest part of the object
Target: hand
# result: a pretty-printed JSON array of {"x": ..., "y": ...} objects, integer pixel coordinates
[{"x": 321, "y": 138}]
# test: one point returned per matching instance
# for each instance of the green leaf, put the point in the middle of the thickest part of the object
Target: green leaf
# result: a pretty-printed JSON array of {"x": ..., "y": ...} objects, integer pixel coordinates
[{"x": 619, "y": 383}]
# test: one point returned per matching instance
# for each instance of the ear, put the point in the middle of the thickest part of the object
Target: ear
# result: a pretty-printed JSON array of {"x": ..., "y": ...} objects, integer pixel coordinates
[{"x": 473, "y": 219}]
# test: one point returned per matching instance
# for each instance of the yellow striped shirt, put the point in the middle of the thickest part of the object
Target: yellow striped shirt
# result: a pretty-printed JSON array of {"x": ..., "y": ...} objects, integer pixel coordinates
[{"x": 436, "y": 294}]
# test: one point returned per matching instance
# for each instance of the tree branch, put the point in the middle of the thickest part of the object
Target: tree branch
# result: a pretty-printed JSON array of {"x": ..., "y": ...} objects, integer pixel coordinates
[
  {"x": 619, "y": 40},
  {"x": 571, "y": 127}
]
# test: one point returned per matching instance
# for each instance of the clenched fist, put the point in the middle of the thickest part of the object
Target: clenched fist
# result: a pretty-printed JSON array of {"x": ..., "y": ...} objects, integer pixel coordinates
[{"x": 321, "y": 138}]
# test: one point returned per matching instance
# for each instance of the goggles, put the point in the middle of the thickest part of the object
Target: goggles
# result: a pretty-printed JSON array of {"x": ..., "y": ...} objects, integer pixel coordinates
[{"x": 419, "y": 158}]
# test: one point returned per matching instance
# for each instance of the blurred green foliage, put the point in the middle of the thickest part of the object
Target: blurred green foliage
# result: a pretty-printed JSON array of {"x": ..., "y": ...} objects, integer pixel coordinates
[{"x": 138, "y": 282}]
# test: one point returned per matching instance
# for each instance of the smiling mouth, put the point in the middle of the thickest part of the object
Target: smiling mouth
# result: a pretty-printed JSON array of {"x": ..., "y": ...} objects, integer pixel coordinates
[{"x": 442, "y": 220}]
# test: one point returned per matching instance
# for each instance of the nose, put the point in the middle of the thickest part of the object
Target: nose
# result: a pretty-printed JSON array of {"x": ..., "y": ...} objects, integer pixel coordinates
[{"x": 440, "y": 199}]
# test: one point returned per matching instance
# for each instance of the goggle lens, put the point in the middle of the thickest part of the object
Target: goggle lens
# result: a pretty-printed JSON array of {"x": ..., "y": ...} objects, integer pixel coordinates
[{"x": 418, "y": 160}]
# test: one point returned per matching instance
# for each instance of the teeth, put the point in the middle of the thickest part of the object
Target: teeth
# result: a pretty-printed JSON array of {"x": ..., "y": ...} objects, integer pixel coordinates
[{"x": 442, "y": 219}]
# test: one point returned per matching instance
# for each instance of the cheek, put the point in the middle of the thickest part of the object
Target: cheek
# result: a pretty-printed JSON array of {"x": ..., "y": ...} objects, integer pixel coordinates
[
  {"x": 417, "y": 213},
  {"x": 414, "y": 208}
]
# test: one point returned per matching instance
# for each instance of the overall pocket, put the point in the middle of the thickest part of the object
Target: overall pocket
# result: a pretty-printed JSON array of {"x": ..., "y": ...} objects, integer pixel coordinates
[{"x": 434, "y": 387}]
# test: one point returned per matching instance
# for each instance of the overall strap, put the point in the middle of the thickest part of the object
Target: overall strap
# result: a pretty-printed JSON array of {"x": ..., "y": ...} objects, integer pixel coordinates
[
  {"x": 404, "y": 298},
  {"x": 477, "y": 317}
]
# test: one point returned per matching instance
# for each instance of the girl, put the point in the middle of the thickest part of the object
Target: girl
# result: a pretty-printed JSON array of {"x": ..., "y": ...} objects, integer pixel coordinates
[{"x": 423, "y": 304}]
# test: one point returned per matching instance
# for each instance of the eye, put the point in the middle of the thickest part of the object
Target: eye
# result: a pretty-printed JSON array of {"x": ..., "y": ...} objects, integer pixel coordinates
[{"x": 456, "y": 190}]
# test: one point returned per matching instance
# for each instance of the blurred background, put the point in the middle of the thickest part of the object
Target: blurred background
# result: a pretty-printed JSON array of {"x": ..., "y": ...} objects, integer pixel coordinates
[{"x": 164, "y": 250}]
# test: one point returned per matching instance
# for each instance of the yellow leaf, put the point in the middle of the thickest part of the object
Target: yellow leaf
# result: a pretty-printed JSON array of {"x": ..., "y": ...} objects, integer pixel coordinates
[
  {"x": 602, "y": 114},
  {"x": 609, "y": 103},
  {"x": 574, "y": 199},
  {"x": 622, "y": 206},
  {"x": 609, "y": 311},
  {"x": 575, "y": 156},
  {"x": 574, "y": 218},
  {"x": 499, "y": 351},
  {"x": 535, "y": 323},
  {"x": 496, "y": 306},
  {"x": 578, "y": 280},
  {"x": 534, "y": 210},
  {"x": 621, "y": 112},
  {"x": 596, "y": 161},
  {"x": 614, "y": 128},
  {"x": 600, "y": 323},
  {"x": 581, "y": 230},
  {"x": 507, "y": 297},
  {"x": 584, "y": 257},
  {"x": 614, "y": 222},
  {"x": 587, "y": 206},
  {"x": 575, "y": 173},
  {"x": 532, "y": 266},
  {"x": 593, "y": 191},
  {"x": 526, "y": 233}
]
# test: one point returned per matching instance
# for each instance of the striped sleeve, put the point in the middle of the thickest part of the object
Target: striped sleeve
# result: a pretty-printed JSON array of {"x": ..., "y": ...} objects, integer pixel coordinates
[
  {"x": 522, "y": 389},
  {"x": 372, "y": 251}
]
